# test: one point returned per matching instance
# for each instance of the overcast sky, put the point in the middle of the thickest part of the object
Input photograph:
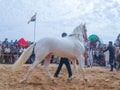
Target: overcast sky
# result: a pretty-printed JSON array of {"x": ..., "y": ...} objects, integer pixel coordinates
[{"x": 102, "y": 18}]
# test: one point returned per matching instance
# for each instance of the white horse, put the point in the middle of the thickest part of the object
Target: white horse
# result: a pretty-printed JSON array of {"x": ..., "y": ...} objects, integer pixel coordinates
[{"x": 71, "y": 47}]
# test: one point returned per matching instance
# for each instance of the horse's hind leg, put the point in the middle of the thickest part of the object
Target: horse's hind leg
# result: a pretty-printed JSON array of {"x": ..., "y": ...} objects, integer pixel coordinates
[
  {"x": 36, "y": 62},
  {"x": 46, "y": 64}
]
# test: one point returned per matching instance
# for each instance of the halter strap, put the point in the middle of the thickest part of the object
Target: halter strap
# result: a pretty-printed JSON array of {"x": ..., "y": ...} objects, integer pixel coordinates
[{"x": 74, "y": 35}]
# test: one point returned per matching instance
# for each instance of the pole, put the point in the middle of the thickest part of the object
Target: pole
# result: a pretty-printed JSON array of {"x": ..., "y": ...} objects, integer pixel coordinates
[{"x": 35, "y": 27}]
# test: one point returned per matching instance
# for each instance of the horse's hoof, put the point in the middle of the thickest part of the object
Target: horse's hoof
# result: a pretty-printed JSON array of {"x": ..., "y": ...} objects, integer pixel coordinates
[
  {"x": 86, "y": 80},
  {"x": 69, "y": 79},
  {"x": 22, "y": 81},
  {"x": 54, "y": 81}
]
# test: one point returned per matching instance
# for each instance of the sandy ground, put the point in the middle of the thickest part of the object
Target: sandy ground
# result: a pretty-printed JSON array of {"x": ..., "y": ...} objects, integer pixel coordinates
[{"x": 99, "y": 79}]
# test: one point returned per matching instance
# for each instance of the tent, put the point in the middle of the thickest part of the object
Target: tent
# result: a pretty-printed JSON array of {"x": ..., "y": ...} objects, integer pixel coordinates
[
  {"x": 22, "y": 42},
  {"x": 93, "y": 37}
]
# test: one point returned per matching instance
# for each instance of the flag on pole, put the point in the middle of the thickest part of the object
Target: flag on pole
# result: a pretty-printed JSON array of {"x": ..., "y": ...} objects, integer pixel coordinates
[{"x": 33, "y": 18}]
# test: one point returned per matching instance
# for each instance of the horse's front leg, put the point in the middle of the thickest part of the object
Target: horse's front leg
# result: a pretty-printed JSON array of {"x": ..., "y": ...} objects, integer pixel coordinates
[
  {"x": 29, "y": 71},
  {"x": 75, "y": 68},
  {"x": 46, "y": 64},
  {"x": 82, "y": 65}
]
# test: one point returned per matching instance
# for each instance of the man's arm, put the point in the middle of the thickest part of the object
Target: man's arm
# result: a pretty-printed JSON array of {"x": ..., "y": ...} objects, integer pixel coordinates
[{"x": 106, "y": 49}]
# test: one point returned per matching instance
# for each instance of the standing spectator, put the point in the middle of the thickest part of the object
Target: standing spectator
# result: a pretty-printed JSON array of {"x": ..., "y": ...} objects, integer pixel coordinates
[
  {"x": 16, "y": 42},
  {"x": 106, "y": 58},
  {"x": 97, "y": 44},
  {"x": 90, "y": 57},
  {"x": 11, "y": 43},
  {"x": 117, "y": 41},
  {"x": 5, "y": 42},
  {"x": 97, "y": 54},
  {"x": 117, "y": 57},
  {"x": 0, "y": 48},
  {"x": 111, "y": 50},
  {"x": 0, "y": 53}
]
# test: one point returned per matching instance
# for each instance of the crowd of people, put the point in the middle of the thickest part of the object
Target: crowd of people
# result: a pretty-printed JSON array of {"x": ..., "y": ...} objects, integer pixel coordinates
[
  {"x": 10, "y": 51},
  {"x": 94, "y": 54},
  {"x": 103, "y": 54}
]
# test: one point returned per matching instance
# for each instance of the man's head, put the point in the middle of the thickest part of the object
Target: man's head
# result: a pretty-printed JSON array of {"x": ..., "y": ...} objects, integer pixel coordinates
[
  {"x": 6, "y": 39},
  {"x": 64, "y": 34},
  {"x": 110, "y": 42}
]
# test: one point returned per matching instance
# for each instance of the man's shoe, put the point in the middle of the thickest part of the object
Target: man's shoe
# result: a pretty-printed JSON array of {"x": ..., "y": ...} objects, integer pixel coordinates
[
  {"x": 73, "y": 76},
  {"x": 56, "y": 76},
  {"x": 111, "y": 70}
]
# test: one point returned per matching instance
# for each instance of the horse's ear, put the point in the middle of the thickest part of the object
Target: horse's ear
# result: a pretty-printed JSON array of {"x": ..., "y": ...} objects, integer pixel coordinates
[{"x": 85, "y": 26}]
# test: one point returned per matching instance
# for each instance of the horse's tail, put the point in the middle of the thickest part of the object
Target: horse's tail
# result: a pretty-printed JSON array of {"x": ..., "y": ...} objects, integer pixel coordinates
[{"x": 22, "y": 59}]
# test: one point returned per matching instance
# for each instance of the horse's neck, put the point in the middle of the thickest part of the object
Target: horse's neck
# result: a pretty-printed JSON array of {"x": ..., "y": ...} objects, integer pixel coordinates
[
  {"x": 81, "y": 39},
  {"x": 78, "y": 38},
  {"x": 75, "y": 38}
]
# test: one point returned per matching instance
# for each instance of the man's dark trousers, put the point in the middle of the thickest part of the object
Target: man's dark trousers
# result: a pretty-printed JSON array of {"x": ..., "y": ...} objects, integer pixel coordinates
[{"x": 67, "y": 64}]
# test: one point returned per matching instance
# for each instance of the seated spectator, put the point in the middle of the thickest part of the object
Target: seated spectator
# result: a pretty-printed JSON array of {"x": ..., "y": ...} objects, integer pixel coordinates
[
  {"x": 21, "y": 50},
  {"x": 7, "y": 54}
]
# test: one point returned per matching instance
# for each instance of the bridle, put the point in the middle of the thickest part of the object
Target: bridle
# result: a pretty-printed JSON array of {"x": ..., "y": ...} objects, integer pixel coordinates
[
  {"x": 77, "y": 35},
  {"x": 74, "y": 35}
]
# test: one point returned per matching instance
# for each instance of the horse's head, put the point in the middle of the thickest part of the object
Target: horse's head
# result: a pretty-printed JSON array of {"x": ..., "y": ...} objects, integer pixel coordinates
[{"x": 80, "y": 32}]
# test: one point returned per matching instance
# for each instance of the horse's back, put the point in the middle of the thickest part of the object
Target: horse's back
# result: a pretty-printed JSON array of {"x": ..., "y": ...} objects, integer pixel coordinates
[
  {"x": 58, "y": 46},
  {"x": 54, "y": 42}
]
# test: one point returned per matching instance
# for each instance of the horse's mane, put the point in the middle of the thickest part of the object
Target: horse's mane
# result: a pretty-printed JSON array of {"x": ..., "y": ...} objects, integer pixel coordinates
[{"x": 77, "y": 30}]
